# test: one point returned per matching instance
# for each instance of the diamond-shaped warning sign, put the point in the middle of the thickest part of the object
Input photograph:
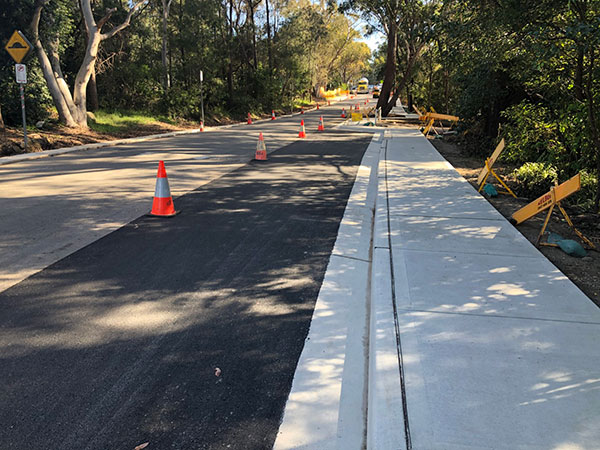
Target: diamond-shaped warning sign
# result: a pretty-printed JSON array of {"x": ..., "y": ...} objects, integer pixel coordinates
[{"x": 18, "y": 46}]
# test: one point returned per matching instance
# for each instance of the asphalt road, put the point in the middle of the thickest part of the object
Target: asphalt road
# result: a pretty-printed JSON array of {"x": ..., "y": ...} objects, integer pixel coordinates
[
  {"x": 55, "y": 206},
  {"x": 119, "y": 343}
]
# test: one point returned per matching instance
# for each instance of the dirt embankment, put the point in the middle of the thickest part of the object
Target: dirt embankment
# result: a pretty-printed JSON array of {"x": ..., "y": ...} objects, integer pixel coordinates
[
  {"x": 584, "y": 272},
  {"x": 11, "y": 140}
]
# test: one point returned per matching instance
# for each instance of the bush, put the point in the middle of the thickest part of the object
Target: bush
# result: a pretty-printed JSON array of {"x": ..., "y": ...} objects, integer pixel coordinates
[
  {"x": 586, "y": 195},
  {"x": 535, "y": 178},
  {"x": 38, "y": 102}
]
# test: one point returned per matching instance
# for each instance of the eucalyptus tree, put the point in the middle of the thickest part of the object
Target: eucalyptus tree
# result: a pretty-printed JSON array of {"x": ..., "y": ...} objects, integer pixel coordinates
[
  {"x": 58, "y": 18},
  {"x": 409, "y": 27}
]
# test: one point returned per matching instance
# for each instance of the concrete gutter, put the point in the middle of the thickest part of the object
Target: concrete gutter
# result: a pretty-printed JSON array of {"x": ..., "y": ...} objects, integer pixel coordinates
[{"x": 326, "y": 408}]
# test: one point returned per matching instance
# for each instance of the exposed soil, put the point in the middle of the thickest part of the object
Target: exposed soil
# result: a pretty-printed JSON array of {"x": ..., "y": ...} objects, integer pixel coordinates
[
  {"x": 11, "y": 140},
  {"x": 55, "y": 136},
  {"x": 584, "y": 272}
]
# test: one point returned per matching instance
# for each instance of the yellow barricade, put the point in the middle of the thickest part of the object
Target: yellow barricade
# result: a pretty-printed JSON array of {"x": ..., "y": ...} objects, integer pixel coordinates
[
  {"x": 550, "y": 200},
  {"x": 487, "y": 171},
  {"x": 356, "y": 117}
]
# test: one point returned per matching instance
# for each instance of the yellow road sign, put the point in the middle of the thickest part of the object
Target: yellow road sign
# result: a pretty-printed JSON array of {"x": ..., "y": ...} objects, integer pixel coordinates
[{"x": 18, "y": 46}]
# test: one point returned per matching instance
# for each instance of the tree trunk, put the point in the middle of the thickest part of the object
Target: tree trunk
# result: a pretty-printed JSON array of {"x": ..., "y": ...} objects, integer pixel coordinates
[
  {"x": 269, "y": 46},
  {"x": 83, "y": 77},
  {"x": 230, "y": 65},
  {"x": 92, "y": 93},
  {"x": 578, "y": 82},
  {"x": 60, "y": 102},
  {"x": 166, "y": 80},
  {"x": 253, "y": 31},
  {"x": 389, "y": 77},
  {"x": 72, "y": 109},
  {"x": 2, "y": 127}
]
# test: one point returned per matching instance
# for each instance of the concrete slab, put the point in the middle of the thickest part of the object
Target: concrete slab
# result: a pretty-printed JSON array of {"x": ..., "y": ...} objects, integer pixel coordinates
[
  {"x": 385, "y": 425},
  {"x": 478, "y": 382},
  {"x": 491, "y": 285},
  {"x": 437, "y": 196},
  {"x": 458, "y": 235},
  {"x": 499, "y": 348}
]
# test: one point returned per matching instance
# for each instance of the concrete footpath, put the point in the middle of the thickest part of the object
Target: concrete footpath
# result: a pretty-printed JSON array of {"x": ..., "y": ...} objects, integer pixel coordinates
[{"x": 439, "y": 326}]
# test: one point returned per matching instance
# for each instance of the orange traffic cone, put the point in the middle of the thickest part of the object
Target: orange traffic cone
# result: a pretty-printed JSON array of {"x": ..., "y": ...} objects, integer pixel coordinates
[
  {"x": 162, "y": 205},
  {"x": 302, "y": 133},
  {"x": 249, "y": 119},
  {"x": 201, "y": 126},
  {"x": 317, "y": 106},
  {"x": 302, "y": 110},
  {"x": 272, "y": 114},
  {"x": 321, "y": 126},
  {"x": 343, "y": 113},
  {"x": 261, "y": 149}
]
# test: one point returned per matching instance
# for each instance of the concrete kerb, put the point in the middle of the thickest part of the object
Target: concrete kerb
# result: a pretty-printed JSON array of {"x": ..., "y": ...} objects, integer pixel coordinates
[
  {"x": 326, "y": 408},
  {"x": 96, "y": 145}
]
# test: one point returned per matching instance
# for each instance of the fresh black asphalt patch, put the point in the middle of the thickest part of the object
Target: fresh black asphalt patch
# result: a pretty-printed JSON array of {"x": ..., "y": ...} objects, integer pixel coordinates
[{"x": 119, "y": 343}]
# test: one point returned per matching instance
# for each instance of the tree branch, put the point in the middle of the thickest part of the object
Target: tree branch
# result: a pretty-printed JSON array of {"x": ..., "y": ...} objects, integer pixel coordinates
[
  {"x": 125, "y": 23},
  {"x": 109, "y": 12}
]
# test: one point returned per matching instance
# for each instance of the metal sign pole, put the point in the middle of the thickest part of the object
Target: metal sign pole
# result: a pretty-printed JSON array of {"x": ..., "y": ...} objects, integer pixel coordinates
[
  {"x": 23, "y": 114},
  {"x": 202, "y": 96}
]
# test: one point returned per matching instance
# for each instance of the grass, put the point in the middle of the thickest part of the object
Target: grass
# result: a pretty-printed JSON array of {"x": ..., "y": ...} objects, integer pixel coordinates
[{"x": 117, "y": 122}]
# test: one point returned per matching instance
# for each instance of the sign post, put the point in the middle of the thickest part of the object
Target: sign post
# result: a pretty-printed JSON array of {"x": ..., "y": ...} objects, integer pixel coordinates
[
  {"x": 17, "y": 47},
  {"x": 202, "y": 99},
  {"x": 21, "y": 72}
]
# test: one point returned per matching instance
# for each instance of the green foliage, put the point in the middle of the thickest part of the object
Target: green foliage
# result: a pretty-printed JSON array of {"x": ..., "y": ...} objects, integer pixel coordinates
[
  {"x": 535, "y": 178},
  {"x": 585, "y": 197},
  {"x": 116, "y": 122},
  {"x": 530, "y": 134},
  {"x": 38, "y": 103}
]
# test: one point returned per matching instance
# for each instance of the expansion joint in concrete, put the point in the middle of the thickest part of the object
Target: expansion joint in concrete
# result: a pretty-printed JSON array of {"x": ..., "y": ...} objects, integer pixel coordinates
[
  {"x": 395, "y": 307},
  {"x": 351, "y": 257}
]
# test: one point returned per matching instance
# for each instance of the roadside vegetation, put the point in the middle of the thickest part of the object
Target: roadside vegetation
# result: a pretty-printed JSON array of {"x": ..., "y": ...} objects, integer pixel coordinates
[
  {"x": 528, "y": 72},
  {"x": 112, "y": 55}
]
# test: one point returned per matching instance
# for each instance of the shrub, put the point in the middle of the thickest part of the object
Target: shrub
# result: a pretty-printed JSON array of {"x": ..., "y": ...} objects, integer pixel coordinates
[
  {"x": 586, "y": 195},
  {"x": 535, "y": 178}
]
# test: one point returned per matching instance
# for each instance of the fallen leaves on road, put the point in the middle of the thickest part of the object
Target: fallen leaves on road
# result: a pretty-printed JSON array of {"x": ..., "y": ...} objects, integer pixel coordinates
[{"x": 141, "y": 446}]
